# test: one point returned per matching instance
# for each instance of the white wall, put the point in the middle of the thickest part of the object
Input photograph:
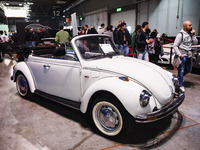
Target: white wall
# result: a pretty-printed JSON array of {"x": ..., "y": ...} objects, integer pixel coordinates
[
  {"x": 162, "y": 14},
  {"x": 129, "y": 17},
  {"x": 96, "y": 18}
]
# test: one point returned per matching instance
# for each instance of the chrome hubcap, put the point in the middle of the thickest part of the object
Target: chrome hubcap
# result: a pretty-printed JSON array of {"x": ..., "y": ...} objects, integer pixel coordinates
[
  {"x": 22, "y": 85},
  {"x": 108, "y": 118}
]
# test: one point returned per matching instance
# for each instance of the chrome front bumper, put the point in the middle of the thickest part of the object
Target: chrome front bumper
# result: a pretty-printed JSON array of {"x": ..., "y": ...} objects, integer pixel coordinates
[{"x": 163, "y": 112}]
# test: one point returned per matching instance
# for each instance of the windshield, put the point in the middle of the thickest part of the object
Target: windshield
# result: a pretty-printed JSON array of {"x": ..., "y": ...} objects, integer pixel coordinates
[{"x": 96, "y": 47}]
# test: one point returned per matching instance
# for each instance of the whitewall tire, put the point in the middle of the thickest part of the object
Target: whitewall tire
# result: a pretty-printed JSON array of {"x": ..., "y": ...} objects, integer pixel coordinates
[{"x": 109, "y": 117}]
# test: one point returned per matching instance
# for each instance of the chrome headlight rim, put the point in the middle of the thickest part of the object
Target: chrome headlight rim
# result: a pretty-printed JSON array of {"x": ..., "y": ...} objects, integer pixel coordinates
[
  {"x": 144, "y": 98},
  {"x": 175, "y": 80}
]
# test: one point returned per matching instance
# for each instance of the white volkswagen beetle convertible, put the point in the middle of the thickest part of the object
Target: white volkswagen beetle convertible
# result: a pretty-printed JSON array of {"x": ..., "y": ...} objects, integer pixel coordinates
[{"x": 90, "y": 74}]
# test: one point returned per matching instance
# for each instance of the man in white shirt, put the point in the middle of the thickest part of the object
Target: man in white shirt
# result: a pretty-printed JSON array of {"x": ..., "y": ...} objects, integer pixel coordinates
[
  {"x": 4, "y": 44},
  {"x": 102, "y": 29},
  {"x": 4, "y": 38}
]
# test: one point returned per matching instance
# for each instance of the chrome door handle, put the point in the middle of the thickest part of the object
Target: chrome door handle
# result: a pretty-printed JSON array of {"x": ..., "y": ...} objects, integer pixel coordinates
[{"x": 46, "y": 66}]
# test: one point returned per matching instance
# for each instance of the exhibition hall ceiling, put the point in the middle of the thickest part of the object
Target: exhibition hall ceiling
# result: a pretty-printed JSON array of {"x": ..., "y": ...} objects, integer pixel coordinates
[{"x": 38, "y": 8}]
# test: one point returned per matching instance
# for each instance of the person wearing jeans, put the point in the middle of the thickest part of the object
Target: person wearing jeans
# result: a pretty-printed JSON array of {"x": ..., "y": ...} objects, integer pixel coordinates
[
  {"x": 142, "y": 42},
  {"x": 123, "y": 38},
  {"x": 124, "y": 49},
  {"x": 182, "y": 47},
  {"x": 184, "y": 68},
  {"x": 143, "y": 55}
]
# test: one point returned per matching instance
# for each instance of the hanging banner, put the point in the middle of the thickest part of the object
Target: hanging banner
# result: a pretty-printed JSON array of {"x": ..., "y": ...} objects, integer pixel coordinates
[
  {"x": 74, "y": 24},
  {"x": 67, "y": 20}
]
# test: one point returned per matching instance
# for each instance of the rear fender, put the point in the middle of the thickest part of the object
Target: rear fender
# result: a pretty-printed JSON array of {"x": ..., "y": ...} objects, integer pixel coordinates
[{"x": 23, "y": 68}]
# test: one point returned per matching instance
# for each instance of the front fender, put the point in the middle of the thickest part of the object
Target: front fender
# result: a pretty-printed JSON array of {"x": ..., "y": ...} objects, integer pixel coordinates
[
  {"x": 22, "y": 67},
  {"x": 127, "y": 93}
]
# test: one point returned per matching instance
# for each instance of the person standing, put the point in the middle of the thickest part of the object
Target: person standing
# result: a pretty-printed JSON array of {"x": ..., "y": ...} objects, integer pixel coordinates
[
  {"x": 109, "y": 31},
  {"x": 182, "y": 47},
  {"x": 102, "y": 29},
  {"x": 45, "y": 33},
  {"x": 86, "y": 30},
  {"x": 155, "y": 48},
  {"x": 115, "y": 33},
  {"x": 142, "y": 42},
  {"x": 4, "y": 45},
  {"x": 32, "y": 37},
  {"x": 38, "y": 36},
  {"x": 133, "y": 40},
  {"x": 93, "y": 30},
  {"x": 124, "y": 39},
  {"x": 27, "y": 37},
  {"x": 62, "y": 36}
]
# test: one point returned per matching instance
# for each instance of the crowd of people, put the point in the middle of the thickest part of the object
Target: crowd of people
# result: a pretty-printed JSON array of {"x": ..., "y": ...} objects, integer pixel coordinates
[
  {"x": 33, "y": 38},
  {"x": 6, "y": 43},
  {"x": 146, "y": 45},
  {"x": 143, "y": 43}
]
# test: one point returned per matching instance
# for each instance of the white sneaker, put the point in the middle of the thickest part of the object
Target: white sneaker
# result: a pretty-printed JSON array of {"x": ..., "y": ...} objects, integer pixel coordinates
[{"x": 182, "y": 88}]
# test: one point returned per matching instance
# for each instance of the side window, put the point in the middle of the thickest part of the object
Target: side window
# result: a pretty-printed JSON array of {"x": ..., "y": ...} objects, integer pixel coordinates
[
  {"x": 70, "y": 54},
  {"x": 63, "y": 53}
]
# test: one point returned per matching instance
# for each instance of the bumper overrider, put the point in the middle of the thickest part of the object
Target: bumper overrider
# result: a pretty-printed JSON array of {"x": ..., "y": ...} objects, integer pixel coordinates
[{"x": 163, "y": 112}]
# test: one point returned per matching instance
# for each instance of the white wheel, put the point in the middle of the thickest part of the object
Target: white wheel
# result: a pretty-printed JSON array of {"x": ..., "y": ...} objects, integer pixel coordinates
[
  {"x": 109, "y": 117},
  {"x": 22, "y": 85}
]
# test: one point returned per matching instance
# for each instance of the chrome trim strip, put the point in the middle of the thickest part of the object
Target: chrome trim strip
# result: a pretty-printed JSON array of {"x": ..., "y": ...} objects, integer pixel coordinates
[{"x": 66, "y": 102}]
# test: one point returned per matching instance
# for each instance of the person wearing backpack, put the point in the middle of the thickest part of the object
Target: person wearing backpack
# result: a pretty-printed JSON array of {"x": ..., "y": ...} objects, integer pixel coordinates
[
  {"x": 183, "y": 49},
  {"x": 155, "y": 48}
]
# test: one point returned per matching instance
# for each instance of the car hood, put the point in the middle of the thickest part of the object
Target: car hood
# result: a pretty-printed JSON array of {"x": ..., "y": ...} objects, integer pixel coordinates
[{"x": 151, "y": 76}]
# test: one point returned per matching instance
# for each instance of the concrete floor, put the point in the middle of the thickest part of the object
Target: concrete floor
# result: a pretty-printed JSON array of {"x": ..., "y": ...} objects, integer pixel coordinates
[{"x": 40, "y": 124}]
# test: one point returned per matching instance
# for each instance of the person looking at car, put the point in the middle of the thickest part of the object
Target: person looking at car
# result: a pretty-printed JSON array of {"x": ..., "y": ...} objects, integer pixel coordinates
[
  {"x": 142, "y": 42},
  {"x": 93, "y": 30},
  {"x": 45, "y": 33},
  {"x": 32, "y": 37},
  {"x": 102, "y": 29},
  {"x": 109, "y": 31},
  {"x": 86, "y": 30},
  {"x": 123, "y": 38},
  {"x": 155, "y": 48},
  {"x": 62, "y": 36},
  {"x": 115, "y": 33},
  {"x": 38, "y": 36},
  {"x": 182, "y": 47},
  {"x": 133, "y": 40}
]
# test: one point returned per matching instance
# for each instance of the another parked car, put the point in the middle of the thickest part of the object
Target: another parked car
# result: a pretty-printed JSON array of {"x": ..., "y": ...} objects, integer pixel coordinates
[
  {"x": 169, "y": 52},
  {"x": 196, "y": 58},
  {"x": 91, "y": 75}
]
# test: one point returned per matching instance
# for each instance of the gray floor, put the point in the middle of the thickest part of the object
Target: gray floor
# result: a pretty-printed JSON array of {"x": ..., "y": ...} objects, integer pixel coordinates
[{"x": 39, "y": 124}]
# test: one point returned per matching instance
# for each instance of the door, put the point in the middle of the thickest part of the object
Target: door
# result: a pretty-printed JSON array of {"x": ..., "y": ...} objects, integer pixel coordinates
[{"x": 58, "y": 77}]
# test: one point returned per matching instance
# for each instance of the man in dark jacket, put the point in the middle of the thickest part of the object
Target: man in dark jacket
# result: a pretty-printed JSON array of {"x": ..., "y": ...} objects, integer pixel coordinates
[
  {"x": 93, "y": 30},
  {"x": 115, "y": 35},
  {"x": 123, "y": 38},
  {"x": 142, "y": 42}
]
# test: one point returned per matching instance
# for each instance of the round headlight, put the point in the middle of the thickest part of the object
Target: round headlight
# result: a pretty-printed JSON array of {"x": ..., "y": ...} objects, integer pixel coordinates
[
  {"x": 144, "y": 98},
  {"x": 175, "y": 80}
]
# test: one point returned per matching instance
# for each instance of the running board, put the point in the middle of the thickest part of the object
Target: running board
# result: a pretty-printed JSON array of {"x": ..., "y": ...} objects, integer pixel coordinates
[{"x": 66, "y": 102}]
